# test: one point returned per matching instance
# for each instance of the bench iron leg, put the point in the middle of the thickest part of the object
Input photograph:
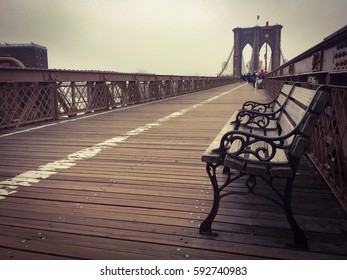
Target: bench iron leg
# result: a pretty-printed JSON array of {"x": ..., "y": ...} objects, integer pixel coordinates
[
  {"x": 300, "y": 239},
  {"x": 206, "y": 225}
]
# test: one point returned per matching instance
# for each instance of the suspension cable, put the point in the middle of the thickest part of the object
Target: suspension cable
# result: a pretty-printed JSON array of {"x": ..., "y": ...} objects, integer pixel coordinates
[{"x": 227, "y": 62}]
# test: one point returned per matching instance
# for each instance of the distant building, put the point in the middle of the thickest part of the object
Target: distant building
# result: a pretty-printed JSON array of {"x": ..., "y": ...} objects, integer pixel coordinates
[{"x": 31, "y": 55}]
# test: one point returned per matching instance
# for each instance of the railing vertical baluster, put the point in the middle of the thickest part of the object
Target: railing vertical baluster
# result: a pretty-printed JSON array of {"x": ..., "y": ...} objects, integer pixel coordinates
[{"x": 54, "y": 101}]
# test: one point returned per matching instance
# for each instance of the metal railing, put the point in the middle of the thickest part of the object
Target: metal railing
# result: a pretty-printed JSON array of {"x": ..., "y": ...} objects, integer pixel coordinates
[
  {"x": 325, "y": 63},
  {"x": 328, "y": 149},
  {"x": 329, "y": 143},
  {"x": 33, "y": 95}
]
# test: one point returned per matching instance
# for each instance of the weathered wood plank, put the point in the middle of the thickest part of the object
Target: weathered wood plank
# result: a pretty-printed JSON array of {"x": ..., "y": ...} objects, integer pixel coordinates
[{"x": 145, "y": 197}]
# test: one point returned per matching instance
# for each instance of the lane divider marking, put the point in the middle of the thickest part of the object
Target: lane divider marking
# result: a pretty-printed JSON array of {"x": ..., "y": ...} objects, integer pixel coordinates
[{"x": 28, "y": 178}]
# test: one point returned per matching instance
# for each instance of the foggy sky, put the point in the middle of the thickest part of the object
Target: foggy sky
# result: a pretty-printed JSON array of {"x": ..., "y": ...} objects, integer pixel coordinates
[{"x": 182, "y": 37}]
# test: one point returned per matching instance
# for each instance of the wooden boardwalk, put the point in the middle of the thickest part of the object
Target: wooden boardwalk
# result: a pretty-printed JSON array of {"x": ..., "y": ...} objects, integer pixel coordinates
[{"x": 130, "y": 184}]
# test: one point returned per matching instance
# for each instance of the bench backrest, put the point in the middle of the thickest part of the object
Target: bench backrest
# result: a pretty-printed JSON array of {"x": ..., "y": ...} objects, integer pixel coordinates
[
  {"x": 282, "y": 96},
  {"x": 300, "y": 113}
]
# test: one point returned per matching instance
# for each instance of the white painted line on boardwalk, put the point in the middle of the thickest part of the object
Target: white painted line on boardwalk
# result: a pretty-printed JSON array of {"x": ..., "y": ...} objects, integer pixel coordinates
[
  {"x": 29, "y": 178},
  {"x": 77, "y": 119}
]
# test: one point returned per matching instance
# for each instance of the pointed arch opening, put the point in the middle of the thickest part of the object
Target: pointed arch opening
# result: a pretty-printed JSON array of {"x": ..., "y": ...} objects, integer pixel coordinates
[
  {"x": 247, "y": 58},
  {"x": 265, "y": 55}
]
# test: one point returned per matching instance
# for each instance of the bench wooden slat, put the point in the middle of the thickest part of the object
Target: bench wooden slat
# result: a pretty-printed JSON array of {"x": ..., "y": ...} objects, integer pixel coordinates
[
  {"x": 286, "y": 88},
  {"x": 286, "y": 126},
  {"x": 303, "y": 95},
  {"x": 295, "y": 112},
  {"x": 279, "y": 102}
]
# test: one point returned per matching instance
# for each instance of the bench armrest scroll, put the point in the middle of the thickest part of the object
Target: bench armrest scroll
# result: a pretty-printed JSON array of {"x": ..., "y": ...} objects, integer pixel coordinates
[
  {"x": 258, "y": 106},
  {"x": 257, "y": 119},
  {"x": 245, "y": 145}
]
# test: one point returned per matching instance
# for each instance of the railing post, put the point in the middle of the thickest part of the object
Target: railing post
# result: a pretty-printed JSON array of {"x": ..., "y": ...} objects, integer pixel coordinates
[
  {"x": 107, "y": 96},
  {"x": 54, "y": 101}
]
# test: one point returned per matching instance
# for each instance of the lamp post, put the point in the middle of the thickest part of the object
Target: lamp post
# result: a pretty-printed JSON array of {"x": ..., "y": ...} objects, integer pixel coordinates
[{"x": 267, "y": 30}]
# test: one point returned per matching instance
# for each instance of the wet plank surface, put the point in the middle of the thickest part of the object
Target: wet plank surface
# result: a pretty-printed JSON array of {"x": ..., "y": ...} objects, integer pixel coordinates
[{"x": 130, "y": 184}]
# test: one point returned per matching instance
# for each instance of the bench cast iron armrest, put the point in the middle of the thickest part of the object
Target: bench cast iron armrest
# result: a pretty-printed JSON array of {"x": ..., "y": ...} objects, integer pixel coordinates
[
  {"x": 258, "y": 106},
  {"x": 258, "y": 119},
  {"x": 239, "y": 143}
]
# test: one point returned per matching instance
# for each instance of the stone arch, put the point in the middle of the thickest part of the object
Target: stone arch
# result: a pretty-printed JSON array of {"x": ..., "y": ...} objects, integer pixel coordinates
[
  {"x": 256, "y": 37},
  {"x": 262, "y": 50}
]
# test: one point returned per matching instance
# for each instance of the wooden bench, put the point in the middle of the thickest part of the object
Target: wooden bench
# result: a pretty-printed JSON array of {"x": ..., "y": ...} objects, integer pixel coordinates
[
  {"x": 268, "y": 150},
  {"x": 271, "y": 106},
  {"x": 257, "y": 115},
  {"x": 262, "y": 115}
]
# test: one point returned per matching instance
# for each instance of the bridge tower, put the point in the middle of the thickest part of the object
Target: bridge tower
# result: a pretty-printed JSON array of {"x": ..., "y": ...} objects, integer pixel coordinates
[{"x": 257, "y": 36}]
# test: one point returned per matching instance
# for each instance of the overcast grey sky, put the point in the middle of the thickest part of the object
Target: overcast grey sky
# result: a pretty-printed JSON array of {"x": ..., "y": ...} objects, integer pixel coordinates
[{"x": 183, "y": 37}]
